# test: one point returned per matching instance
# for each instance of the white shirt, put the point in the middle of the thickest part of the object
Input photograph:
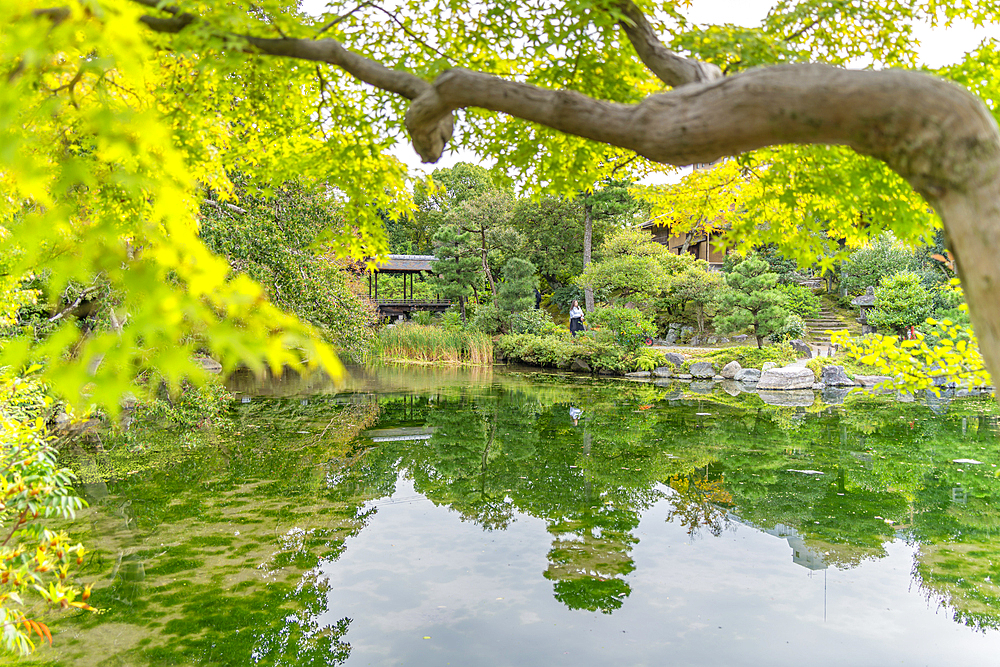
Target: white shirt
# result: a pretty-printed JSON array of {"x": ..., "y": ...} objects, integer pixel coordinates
[{"x": 575, "y": 311}]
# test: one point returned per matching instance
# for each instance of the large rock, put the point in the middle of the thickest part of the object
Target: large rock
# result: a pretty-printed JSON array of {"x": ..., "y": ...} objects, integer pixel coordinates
[
  {"x": 730, "y": 370},
  {"x": 747, "y": 375},
  {"x": 580, "y": 365},
  {"x": 674, "y": 358},
  {"x": 786, "y": 379},
  {"x": 768, "y": 365},
  {"x": 796, "y": 398},
  {"x": 834, "y": 376},
  {"x": 638, "y": 374},
  {"x": 663, "y": 372},
  {"x": 702, "y": 370},
  {"x": 802, "y": 349},
  {"x": 741, "y": 338}
]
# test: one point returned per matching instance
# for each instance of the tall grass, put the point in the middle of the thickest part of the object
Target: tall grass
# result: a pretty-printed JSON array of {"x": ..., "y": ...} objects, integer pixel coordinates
[{"x": 415, "y": 342}]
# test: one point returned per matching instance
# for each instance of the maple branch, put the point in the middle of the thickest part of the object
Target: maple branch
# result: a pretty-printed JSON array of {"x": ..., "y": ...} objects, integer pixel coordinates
[{"x": 669, "y": 67}]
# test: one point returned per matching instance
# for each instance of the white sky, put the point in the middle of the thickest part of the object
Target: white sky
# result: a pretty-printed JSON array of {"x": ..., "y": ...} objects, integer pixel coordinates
[{"x": 938, "y": 47}]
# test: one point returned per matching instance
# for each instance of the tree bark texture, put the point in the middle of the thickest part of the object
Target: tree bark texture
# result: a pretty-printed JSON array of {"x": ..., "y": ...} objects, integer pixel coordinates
[{"x": 588, "y": 241}]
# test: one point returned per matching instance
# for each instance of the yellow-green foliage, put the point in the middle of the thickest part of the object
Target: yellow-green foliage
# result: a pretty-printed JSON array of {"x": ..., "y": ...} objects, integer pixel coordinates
[
  {"x": 415, "y": 342},
  {"x": 851, "y": 366},
  {"x": 916, "y": 364},
  {"x": 35, "y": 563}
]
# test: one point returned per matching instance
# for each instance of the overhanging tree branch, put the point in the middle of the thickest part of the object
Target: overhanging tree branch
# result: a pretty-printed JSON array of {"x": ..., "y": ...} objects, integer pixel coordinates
[
  {"x": 936, "y": 135},
  {"x": 669, "y": 67}
]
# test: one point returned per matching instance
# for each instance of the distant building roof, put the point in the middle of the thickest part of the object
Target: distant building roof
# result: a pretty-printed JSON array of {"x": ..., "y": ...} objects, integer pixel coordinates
[{"x": 406, "y": 263}]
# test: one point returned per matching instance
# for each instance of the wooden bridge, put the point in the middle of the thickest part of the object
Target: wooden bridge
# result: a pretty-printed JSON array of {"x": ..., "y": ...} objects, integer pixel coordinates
[{"x": 410, "y": 267}]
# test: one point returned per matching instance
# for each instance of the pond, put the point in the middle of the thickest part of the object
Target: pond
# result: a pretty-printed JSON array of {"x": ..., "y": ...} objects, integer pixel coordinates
[{"x": 447, "y": 516}]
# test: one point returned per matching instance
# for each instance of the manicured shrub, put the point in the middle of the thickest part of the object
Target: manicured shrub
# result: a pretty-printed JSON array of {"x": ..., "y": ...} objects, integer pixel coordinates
[
  {"x": 901, "y": 301},
  {"x": 800, "y": 300}
]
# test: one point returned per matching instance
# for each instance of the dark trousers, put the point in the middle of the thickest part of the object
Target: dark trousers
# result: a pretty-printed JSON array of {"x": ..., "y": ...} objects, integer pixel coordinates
[{"x": 575, "y": 324}]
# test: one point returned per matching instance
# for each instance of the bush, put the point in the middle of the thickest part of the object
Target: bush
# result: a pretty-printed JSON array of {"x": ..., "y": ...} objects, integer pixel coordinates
[
  {"x": 37, "y": 563},
  {"x": 535, "y": 322},
  {"x": 490, "y": 320},
  {"x": 794, "y": 328},
  {"x": 881, "y": 258},
  {"x": 901, "y": 301},
  {"x": 559, "y": 352},
  {"x": 629, "y": 326},
  {"x": 800, "y": 300}
]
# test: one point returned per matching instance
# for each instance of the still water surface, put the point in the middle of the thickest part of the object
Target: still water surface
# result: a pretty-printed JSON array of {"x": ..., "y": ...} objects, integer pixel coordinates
[{"x": 449, "y": 517}]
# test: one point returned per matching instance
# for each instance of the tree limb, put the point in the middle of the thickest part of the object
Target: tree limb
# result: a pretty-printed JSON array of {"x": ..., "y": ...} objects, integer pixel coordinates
[
  {"x": 936, "y": 135},
  {"x": 670, "y": 68}
]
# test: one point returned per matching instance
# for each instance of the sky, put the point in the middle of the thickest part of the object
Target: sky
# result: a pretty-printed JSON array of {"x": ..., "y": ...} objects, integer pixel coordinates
[{"x": 938, "y": 47}]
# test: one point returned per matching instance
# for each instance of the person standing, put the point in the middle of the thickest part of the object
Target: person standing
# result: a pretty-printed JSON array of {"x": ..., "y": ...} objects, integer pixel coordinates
[{"x": 575, "y": 318}]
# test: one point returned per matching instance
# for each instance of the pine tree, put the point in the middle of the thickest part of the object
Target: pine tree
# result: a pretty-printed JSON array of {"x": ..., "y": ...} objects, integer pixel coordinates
[
  {"x": 457, "y": 270},
  {"x": 517, "y": 292},
  {"x": 752, "y": 300}
]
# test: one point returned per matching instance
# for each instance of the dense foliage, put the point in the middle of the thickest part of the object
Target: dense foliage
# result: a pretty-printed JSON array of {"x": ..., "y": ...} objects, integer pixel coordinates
[
  {"x": 752, "y": 300},
  {"x": 278, "y": 241}
]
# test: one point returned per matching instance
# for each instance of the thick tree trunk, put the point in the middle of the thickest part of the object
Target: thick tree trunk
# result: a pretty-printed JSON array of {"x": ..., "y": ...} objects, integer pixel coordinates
[
  {"x": 588, "y": 236},
  {"x": 486, "y": 264}
]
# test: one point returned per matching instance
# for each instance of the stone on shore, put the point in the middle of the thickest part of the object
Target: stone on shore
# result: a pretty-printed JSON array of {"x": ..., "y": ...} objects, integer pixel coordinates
[
  {"x": 638, "y": 374},
  {"x": 703, "y": 370},
  {"x": 786, "y": 379},
  {"x": 747, "y": 375},
  {"x": 676, "y": 359},
  {"x": 834, "y": 376},
  {"x": 768, "y": 365},
  {"x": 580, "y": 365},
  {"x": 730, "y": 370},
  {"x": 663, "y": 372}
]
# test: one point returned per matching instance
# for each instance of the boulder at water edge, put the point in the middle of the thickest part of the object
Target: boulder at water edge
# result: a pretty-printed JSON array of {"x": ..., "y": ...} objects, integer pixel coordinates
[
  {"x": 674, "y": 358},
  {"x": 702, "y": 370},
  {"x": 834, "y": 376},
  {"x": 638, "y": 374},
  {"x": 747, "y": 375},
  {"x": 768, "y": 365},
  {"x": 580, "y": 365},
  {"x": 663, "y": 371},
  {"x": 786, "y": 379},
  {"x": 730, "y": 370}
]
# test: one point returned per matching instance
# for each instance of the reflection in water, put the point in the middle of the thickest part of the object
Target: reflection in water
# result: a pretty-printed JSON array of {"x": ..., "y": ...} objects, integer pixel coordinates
[{"x": 573, "y": 497}]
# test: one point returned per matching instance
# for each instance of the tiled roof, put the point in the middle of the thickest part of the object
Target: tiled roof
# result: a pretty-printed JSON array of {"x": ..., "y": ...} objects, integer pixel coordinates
[{"x": 407, "y": 263}]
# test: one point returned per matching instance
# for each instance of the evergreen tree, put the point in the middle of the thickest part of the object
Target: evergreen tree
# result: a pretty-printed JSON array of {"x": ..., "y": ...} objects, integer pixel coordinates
[
  {"x": 752, "y": 300},
  {"x": 457, "y": 269},
  {"x": 517, "y": 292},
  {"x": 901, "y": 301}
]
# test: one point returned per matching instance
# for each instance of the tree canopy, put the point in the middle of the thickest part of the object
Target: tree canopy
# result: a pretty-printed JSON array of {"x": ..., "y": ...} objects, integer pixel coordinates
[{"x": 117, "y": 114}]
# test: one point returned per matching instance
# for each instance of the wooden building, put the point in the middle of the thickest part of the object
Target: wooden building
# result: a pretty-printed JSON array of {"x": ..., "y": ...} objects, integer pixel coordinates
[
  {"x": 699, "y": 244},
  {"x": 411, "y": 267}
]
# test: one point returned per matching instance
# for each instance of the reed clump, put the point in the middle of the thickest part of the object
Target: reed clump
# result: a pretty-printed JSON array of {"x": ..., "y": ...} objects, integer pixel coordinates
[{"x": 415, "y": 342}]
